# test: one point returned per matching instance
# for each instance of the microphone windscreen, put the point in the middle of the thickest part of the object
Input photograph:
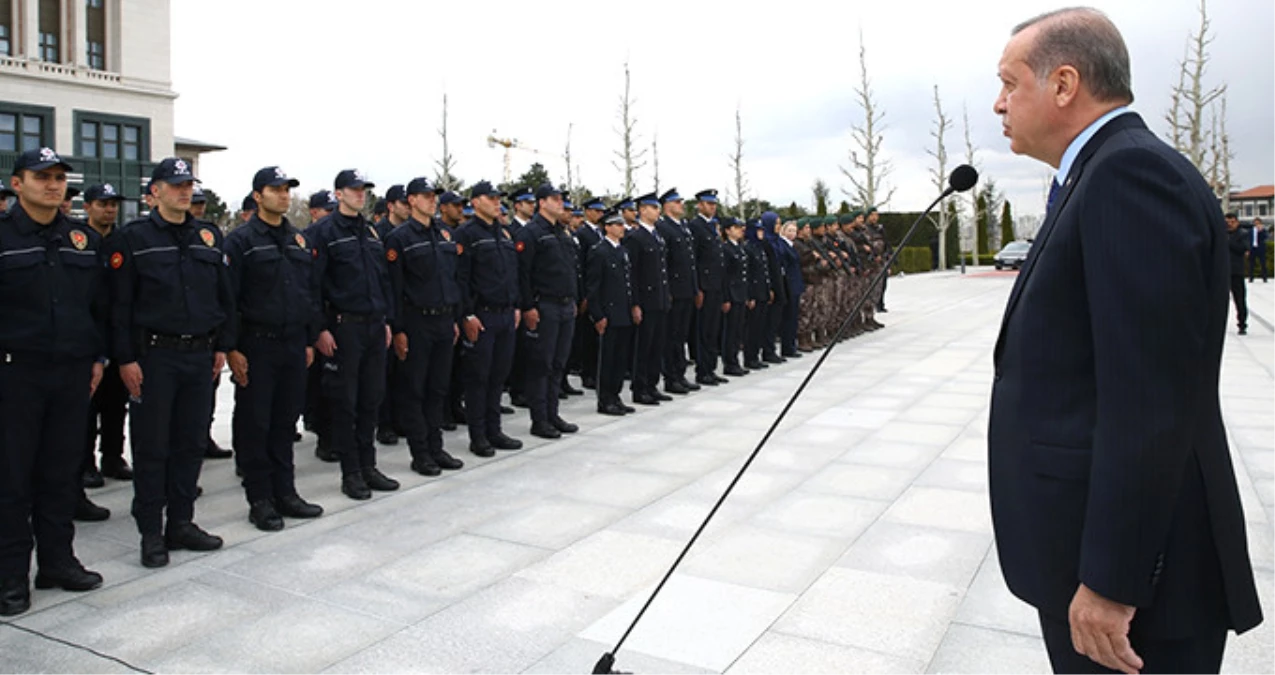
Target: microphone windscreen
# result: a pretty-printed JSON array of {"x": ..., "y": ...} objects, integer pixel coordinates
[{"x": 963, "y": 178}]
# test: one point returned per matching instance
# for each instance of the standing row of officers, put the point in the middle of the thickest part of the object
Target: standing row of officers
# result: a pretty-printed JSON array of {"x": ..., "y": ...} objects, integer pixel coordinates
[{"x": 327, "y": 320}]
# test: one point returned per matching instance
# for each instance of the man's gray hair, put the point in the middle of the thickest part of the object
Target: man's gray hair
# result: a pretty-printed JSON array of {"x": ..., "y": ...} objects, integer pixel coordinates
[{"x": 1084, "y": 38}]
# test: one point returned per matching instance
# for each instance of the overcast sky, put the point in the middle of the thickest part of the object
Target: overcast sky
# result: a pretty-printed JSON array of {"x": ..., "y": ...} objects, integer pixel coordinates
[{"x": 321, "y": 85}]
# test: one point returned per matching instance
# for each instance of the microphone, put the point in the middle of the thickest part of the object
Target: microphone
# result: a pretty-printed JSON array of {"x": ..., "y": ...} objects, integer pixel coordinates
[{"x": 961, "y": 179}]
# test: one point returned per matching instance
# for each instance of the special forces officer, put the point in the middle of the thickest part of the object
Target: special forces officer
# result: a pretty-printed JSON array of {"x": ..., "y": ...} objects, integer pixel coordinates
[
  {"x": 548, "y": 292},
  {"x": 277, "y": 321},
  {"x": 488, "y": 280},
  {"x": 54, "y": 309},
  {"x": 171, "y": 298},
  {"x": 352, "y": 284},
  {"x": 422, "y": 260}
]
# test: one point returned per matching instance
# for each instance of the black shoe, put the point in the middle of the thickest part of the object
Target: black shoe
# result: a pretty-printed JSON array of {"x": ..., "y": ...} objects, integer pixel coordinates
[
  {"x": 263, "y": 515},
  {"x": 644, "y": 398},
  {"x": 518, "y": 400},
  {"x": 734, "y": 371},
  {"x": 191, "y": 537},
  {"x": 658, "y": 396},
  {"x": 293, "y": 506},
  {"x": 354, "y": 487},
  {"x": 500, "y": 441},
  {"x": 506, "y": 410},
  {"x": 379, "y": 481},
  {"x": 92, "y": 478},
  {"x": 545, "y": 430},
  {"x": 448, "y": 426},
  {"x": 881, "y": 309},
  {"x": 589, "y": 382},
  {"x": 562, "y": 395},
  {"x": 1243, "y": 330},
  {"x": 614, "y": 409},
  {"x": 720, "y": 379},
  {"x": 238, "y": 471},
  {"x": 773, "y": 359},
  {"x": 628, "y": 409},
  {"x": 214, "y": 451},
  {"x": 791, "y": 355},
  {"x": 15, "y": 595},
  {"x": 706, "y": 380},
  {"x": 757, "y": 365},
  {"x": 296, "y": 437},
  {"x": 72, "y": 577},
  {"x": 425, "y": 466},
  {"x": 386, "y": 437},
  {"x": 482, "y": 448},
  {"x": 88, "y": 512},
  {"x": 690, "y": 385},
  {"x": 458, "y": 416},
  {"x": 154, "y": 551},
  {"x": 120, "y": 471},
  {"x": 446, "y": 461},
  {"x": 563, "y": 425},
  {"x": 570, "y": 390},
  {"x": 325, "y": 452}
]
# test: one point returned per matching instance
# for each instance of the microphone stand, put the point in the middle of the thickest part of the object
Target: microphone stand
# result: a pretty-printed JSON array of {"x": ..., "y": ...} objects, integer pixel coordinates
[{"x": 606, "y": 664}]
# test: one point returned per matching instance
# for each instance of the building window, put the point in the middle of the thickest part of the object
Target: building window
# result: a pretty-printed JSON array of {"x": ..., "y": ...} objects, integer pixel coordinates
[
  {"x": 6, "y": 27},
  {"x": 50, "y": 29},
  {"x": 96, "y": 34},
  {"x": 111, "y": 137},
  {"x": 25, "y": 128},
  {"x": 1261, "y": 209}
]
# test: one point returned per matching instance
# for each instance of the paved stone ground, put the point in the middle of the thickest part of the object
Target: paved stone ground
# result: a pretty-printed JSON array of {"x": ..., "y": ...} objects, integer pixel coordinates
[{"x": 859, "y": 542}]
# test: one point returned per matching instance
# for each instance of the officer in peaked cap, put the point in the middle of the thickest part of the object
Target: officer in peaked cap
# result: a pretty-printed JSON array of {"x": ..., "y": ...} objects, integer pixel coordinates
[
  {"x": 246, "y": 208},
  {"x": 71, "y": 193},
  {"x": 489, "y": 290},
  {"x": 683, "y": 284},
  {"x": 422, "y": 257},
  {"x": 710, "y": 267},
  {"x": 613, "y": 311},
  {"x": 524, "y": 207},
  {"x": 198, "y": 203},
  {"x": 55, "y": 312},
  {"x": 649, "y": 256},
  {"x": 172, "y": 306},
  {"x": 548, "y": 294},
  {"x": 396, "y": 211},
  {"x": 588, "y": 235},
  {"x": 388, "y": 421},
  {"x": 627, "y": 209},
  {"x": 353, "y": 291},
  {"x": 276, "y": 323},
  {"x": 321, "y": 204},
  {"x": 450, "y": 217}
]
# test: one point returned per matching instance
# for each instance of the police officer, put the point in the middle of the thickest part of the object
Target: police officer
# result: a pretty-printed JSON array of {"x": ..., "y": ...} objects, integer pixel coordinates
[
  {"x": 588, "y": 235},
  {"x": 422, "y": 261},
  {"x": 547, "y": 281},
  {"x": 451, "y": 216},
  {"x": 571, "y": 219},
  {"x": 710, "y": 270},
  {"x": 628, "y": 211},
  {"x": 649, "y": 256},
  {"x": 613, "y": 310},
  {"x": 352, "y": 284},
  {"x": 761, "y": 294},
  {"x": 277, "y": 321},
  {"x": 397, "y": 211},
  {"x": 198, "y": 203},
  {"x": 684, "y": 287},
  {"x": 488, "y": 280},
  {"x": 737, "y": 287},
  {"x": 171, "y": 298},
  {"x": 770, "y": 244},
  {"x": 388, "y": 421},
  {"x": 320, "y": 204},
  {"x": 54, "y": 309},
  {"x": 524, "y": 206},
  {"x": 524, "y": 209},
  {"x": 101, "y": 208},
  {"x": 5, "y": 195},
  {"x": 247, "y": 208}
]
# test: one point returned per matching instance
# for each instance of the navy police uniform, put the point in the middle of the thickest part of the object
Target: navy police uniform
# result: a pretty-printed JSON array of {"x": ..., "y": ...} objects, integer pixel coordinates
[
  {"x": 389, "y": 424},
  {"x": 609, "y": 291},
  {"x": 651, "y": 284},
  {"x": 517, "y": 378},
  {"x": 710, "y": 270},
  {"x": 316, "y": 416},
  {"x": 684, "y": 286},
  {"x": 109, "y": 405},
  {"x": 587, "y": 340},
  {"x": 737, "y": 294}
]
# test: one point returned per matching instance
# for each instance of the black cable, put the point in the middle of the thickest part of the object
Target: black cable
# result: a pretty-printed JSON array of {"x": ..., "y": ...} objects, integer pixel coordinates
[{"x": 72, "y": 645}]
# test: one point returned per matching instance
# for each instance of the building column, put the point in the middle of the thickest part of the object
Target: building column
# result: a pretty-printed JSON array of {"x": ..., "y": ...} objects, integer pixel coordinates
[
  {"x": 76, "y": 34},
  {"x": 29, "y": 28}
]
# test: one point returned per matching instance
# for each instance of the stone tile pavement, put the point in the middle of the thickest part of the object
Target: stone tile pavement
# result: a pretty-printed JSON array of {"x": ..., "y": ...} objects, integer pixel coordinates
[{"x": 860, "y": 541}]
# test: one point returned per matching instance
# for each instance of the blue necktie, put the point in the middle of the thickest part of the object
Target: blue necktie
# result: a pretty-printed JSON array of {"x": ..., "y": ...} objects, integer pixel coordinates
[{"x": 1053, "y": 192}]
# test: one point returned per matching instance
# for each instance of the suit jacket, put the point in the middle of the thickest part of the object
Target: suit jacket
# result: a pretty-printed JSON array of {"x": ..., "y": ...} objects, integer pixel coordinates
[
  {"x": 681, "y": 257},
  {"x": 710, "y": 265},
  {"x": 650, "y": 269},
  {"x": 609, "y": 286},
  {"x": 586, "y": 239},
  {"x": 1107, "y": 456},
  {"x": 790, "y": 263}
]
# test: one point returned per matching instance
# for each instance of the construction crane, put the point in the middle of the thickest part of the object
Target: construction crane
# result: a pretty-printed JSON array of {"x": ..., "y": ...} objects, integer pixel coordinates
[{"x": 509, "y": 144}]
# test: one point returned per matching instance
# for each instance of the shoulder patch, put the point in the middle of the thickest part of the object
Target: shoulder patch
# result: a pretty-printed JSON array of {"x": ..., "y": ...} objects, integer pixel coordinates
[
  {"x": 79, "y": 240},
  {"x": 117, "y": 260},
  {"x": 520, "y": 246},
  {"x": 391, "y": 254},
  {"x": 207, "y": 236},
  {"x": 300, "y": 240}
]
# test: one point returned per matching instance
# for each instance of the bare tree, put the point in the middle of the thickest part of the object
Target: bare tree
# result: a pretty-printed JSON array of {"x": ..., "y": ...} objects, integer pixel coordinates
[
  {"x": 1190, "y": 99},
  {"x": 655, "y": 160},
  {"x": 630, "y": 158},
  {"x": 867, "y": 172},
  {"x": 939, "y": 173},
  {"x": 1220, "y": 155},
  {"x": 968, "y": 241},
  {"x": 737, "y": 167},
  {"x": 445, "y": 176},
  {"x": 566, "y": 156}
]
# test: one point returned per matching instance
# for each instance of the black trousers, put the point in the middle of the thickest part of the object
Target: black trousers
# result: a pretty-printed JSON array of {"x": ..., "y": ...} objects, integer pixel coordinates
[
  {"x": 615, "y": 349},
  {"x": 709, "y": 345},
  {"x": 775, "y": 313},
  {"x": 733, "y": 334},
  {"x": 1197, "y": 654},
  {"x": 426, "y": 380},
  {"x": 548, "y": 347},
  {"x": 1239, "y": 293},
  {"x": 584, "y": 347},
  {"x": 43, "y": 409},
  {"x": 679, "y": 331},
  {"x": 452, "y": 412},
  {"x": 169, "y": 426},
  {"x": 755, "y": 331},
  {"x": 788, "y": 325},
  {"x": 316, "y": 405},
  {"x": 388, "y": 415},
  {"x": 354, "y": 384},
  {"x": 649, "y": 351},
  {"x": 266, "y": 412},
  {"x": 487, "y": 365},
  {"x": 1256, "y": 258},
  {"x": 107, "y": 410},
  {"x": 516, "y": 380}
]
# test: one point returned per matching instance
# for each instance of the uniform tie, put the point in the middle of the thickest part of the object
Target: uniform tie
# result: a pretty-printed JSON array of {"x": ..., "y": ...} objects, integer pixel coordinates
[{"x": 1053, "y": 192}]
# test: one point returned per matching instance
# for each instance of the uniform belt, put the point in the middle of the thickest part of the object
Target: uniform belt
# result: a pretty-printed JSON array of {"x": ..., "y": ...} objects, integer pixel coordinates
[
  {"x": 492, "y": 308},
  {"x": 268, "y": 332},
  {"x": 347, "y": 317},
  {"x": 181, "y": 343},
  {"x": 560, "y": 299},
  {"x": 445, "y": 310}
]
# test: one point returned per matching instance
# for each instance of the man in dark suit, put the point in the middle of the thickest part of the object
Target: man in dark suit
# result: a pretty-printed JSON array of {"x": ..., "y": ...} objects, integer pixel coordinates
[
  {"x": 1237, "y": 242},
  {"x": 649, "y": 259},
  {"x": 587, "y": 236},
  {"x": 1257, "y": 236},
  {"x": 613, "y": 310},
  {"x": 1113, "y": 496}
]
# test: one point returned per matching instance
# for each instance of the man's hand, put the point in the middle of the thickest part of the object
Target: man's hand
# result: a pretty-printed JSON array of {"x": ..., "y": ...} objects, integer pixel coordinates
[
  {"x": 96, "y": 378},
  {"x": 473, "y": 326},
  {"x": 600, "y": 326},
  {"x": 750, "y": 304},
  {"x": 455, "y": 333},
  {"x": 389, "y": 336},
  {"x": 699, "y": 299},
  {"x": 326, "y": 344},
  {"x": 219, "y": 362},
  {"x": 1100, "y": 630},
  {"x": 637, "y": 315},
  {"x": 131, "y": 376},
  {"x": 531, "y": 319},
  {"x": 309, "y": 356},
  {"x": 725, "y": 307},
  {"x": 583, "y": 306},
  {"x": 400, "y": 346},
  {"x": 238, "y": 367}
]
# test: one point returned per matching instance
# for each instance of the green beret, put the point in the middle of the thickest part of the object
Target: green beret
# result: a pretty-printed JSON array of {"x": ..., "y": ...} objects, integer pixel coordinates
[
  {"x": 830, "y": 220},
  {"x": 845, "y": 218},
  {"x": 803, "y": 221},
  {"x": 854, "y": 215},
  {"x": 871, "y": 210}
]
